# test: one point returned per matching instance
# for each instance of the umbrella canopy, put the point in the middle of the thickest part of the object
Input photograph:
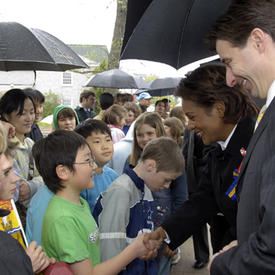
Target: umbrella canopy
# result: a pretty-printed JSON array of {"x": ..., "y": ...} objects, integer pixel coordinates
[
  {"x": 116, "y": 79},
  {"x": 22, "y": 48},
  {"x": 162, "y": 86},
  {"x": 172, "y": 32},
  {"x": 47, "y": 119},
  {"x": 165, "y": 83}
]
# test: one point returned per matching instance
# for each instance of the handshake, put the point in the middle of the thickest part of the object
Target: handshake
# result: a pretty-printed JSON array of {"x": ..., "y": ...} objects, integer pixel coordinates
[{"x": 148, "y": 244}]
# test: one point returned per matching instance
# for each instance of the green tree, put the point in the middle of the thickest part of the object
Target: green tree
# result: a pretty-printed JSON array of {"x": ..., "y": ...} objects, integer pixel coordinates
[{"x": 51, "y": 101}]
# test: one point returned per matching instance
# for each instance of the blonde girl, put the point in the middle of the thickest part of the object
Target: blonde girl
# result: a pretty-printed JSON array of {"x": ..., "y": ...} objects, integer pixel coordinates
[
  {"x": 174, "y": 129},
  {"x": 148, "y": 126},
  {"x": 115, "y": 117}
]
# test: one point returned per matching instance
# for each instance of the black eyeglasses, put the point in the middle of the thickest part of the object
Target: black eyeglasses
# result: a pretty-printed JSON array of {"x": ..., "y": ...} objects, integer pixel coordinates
[{"x": 91, "y": 162}]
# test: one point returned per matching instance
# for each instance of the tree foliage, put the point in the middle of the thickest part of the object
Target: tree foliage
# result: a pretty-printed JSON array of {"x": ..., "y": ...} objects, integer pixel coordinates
[{"x": 51, "y": 101}]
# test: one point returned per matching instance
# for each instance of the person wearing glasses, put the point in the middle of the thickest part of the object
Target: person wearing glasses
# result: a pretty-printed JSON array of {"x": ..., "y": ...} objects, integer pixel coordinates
[
  {"x": 69, "y": 232},
  {"x": 98, "y": 136}
]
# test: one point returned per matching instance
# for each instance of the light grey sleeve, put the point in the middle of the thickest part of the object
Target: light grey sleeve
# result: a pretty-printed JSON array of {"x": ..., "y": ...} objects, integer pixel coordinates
[{"x": 113, "y": 221}]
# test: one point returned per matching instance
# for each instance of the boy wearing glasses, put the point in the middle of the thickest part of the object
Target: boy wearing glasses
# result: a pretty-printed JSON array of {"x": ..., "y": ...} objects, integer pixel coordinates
[
  {"x": 69, "y": 232},
  {"x": 98, "y": 136}
]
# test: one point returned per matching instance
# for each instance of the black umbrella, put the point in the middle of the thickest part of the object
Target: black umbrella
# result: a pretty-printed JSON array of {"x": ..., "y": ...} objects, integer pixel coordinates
[
  {"x": 162, "y": 86},
  {"x": 172, "y": 31},
  {"x": 22, "y": 48},
  {"x": 164, "y": 83},
  {"x": 116, "y": 79}
]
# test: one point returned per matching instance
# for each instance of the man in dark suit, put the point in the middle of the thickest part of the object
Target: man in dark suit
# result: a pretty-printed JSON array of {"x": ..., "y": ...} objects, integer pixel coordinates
[
  {"x": 245, "y": 40},
  {"x": 87, "y": 101}
]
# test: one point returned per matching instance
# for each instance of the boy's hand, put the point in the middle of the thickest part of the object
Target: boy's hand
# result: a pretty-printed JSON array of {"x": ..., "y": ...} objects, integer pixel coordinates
[
  {"x": 24, "y": 191},
  {"x": 38, "y": 258},
  {"x": 154, "y": 239},
  {"x": 143, "y": 252},
  {"x": 151, "y": 254},
  {"x": 140, "y": 248},
  {"x": 167, "y": 252}
]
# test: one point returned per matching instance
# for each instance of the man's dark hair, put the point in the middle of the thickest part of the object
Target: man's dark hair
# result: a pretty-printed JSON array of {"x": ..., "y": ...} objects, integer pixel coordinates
[
  {"x": 106, "y": 100},
  {"x": 241, "y": 18},
  {"x": 36, "y": 95},
  {"x": 90, "y": 126},
  {"x": 85, "y": 94},
  {"x": 58, "y": 148},
  {"x": 159, "y": 101},
  {"x": 207, "y": 85},
  {"x": 13, "y": 100}
]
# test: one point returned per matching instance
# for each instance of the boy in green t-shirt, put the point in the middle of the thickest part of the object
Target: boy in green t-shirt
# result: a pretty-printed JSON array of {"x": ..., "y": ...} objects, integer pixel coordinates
[{"x": 69, "y": 232}]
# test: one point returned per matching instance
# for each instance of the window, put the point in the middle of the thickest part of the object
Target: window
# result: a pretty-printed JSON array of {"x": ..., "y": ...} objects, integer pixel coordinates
[
  {"x": 67, "y": 79},
  {"x": 67, "y": 101}
]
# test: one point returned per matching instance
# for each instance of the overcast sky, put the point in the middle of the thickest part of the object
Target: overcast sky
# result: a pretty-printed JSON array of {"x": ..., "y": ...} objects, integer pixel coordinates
[
  {"x": 78, "y": 22},
  {"x": 72, "y": 21}
]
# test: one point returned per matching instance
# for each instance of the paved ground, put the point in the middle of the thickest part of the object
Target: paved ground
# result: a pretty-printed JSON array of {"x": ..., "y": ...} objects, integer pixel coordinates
[{"x": 184, "y": 267}]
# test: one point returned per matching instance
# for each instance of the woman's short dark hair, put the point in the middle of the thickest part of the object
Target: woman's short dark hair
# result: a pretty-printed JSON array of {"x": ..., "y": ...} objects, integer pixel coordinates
[
  {"x": 58, "y": 148},
  {"x": 13, "y": 100},
  {"x": 36, "y": 95},
  {"x": 207, "y": 85},
  {"x": 90, "y": 126}
]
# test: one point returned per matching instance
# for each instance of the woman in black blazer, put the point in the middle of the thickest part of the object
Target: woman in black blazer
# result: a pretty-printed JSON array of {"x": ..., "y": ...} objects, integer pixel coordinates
[{"x": 223, "y": 117}]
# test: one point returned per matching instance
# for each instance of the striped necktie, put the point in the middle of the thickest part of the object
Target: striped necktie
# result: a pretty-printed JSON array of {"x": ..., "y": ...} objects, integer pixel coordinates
[{"x": 260, "y": 116}]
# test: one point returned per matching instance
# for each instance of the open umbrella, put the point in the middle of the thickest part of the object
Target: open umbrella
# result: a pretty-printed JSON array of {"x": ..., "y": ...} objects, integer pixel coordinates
[
  {"x": 172, "y": 31},
  {"x": 162, "y": 86},
  {"x": 116, "y": 79},
  {"x": 22, "y": 48},
  {"x": 48, "y": 119},
  {"x": 164, "y": 83}
]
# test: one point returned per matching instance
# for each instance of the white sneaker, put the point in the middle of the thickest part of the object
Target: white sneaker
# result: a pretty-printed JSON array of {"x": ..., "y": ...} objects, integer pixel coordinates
[{"x": 175, "y": 259}]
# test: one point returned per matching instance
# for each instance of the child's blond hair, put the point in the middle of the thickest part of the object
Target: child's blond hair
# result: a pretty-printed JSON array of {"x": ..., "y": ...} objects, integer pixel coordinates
[
  {"x": 114, "y": 114},
  {"x": 176, "y": 129},
  {"x": 3, "y": 139},
  {"x": 152, "y": 119}
]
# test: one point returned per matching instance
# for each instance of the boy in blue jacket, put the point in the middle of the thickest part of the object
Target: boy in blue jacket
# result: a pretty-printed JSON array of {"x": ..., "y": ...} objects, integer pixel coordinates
[{"x": 125, "y": 209}]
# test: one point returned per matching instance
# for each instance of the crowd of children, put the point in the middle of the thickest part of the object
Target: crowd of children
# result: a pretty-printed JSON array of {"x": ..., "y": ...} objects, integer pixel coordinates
[{"x": 79, "y": 209}]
